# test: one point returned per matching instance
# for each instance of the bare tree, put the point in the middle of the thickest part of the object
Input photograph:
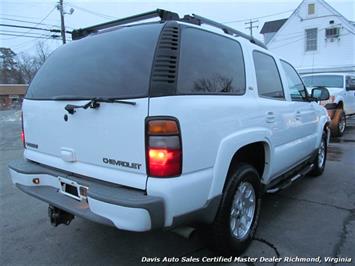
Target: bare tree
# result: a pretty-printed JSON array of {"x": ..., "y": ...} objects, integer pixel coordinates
[
  {"x": 42, "y": 52},
  {"x": 217, "y": 83},
  {"x": 29, "y": 64}
]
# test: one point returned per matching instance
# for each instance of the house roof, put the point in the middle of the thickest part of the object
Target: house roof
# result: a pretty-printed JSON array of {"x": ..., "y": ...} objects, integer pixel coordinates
[
  {"x": 13, "y": 89},
  {"x": 272, "y": 26}
]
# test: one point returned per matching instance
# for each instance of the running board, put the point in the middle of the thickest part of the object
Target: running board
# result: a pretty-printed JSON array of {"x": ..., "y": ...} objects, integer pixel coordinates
[{"x": 287, "y": 182}]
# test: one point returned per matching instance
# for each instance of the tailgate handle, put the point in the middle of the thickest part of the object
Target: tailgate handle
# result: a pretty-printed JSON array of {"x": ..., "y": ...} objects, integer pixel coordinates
[{"x": 68, "y": 154}]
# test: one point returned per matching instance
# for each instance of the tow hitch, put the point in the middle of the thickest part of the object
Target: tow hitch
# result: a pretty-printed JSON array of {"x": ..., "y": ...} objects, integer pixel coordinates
[{"x": 58, "y": 216}]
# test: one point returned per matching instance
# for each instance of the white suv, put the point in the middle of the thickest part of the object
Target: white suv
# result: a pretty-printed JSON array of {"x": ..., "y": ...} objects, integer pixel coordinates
[
  {"x": 341, "y": 102},
  {"x": 165, "y": 123}
]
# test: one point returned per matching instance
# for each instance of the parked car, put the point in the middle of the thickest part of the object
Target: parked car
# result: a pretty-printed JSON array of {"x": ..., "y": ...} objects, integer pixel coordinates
[
  {"x": 341, "y": 103},
  {"x": 166, "y": 123}
]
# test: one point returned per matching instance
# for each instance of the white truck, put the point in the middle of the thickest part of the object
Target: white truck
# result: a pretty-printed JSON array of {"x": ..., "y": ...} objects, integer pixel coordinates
[
  {"x": 165, "y": 123},
  {"x": 341, "y": 103}
]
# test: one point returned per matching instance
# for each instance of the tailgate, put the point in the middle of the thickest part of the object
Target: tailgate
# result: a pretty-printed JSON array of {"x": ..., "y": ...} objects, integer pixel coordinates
[{"x": 106, "y": 143}]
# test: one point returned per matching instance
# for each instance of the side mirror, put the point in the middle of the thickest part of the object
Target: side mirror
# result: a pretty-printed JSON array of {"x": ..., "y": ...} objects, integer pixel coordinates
[
  {"x": 320, "y": 93},
  {"x": 350, "y": 87}
]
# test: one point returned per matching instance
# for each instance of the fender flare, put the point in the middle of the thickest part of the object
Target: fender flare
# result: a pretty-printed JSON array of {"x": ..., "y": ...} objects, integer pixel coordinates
[
  {"x": 227, "y": 149},
  {"x": 323, "y": 122}
]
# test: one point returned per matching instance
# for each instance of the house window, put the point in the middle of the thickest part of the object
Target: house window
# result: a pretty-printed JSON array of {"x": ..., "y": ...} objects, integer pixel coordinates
[
  {"x": 311, "y": 9},
  {"x": 332, "y": 33},
  {"x": 311, "y": 39}
]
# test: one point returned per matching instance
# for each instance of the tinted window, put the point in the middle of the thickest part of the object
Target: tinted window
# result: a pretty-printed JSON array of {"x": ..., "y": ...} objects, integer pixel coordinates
[
  {"x": 112, "y": 64},
  {"x": 267, "y": 76},
  {"x": 350, "y": 81},
  {"x": 210, "y": 63},
  {"x": 331, "y": 81},
  {"x": 294, "y": 82}
]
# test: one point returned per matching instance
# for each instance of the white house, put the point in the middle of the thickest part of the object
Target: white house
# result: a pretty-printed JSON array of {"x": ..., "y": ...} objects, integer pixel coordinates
[{"x": 315, "y": 38}]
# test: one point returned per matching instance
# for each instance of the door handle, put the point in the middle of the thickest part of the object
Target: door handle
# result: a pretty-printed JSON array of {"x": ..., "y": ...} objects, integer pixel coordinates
[
  {"x": 270, "y": 117},
  {"x": 298, "y": 115}
]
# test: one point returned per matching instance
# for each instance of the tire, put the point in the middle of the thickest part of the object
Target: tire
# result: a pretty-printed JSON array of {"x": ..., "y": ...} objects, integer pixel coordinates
[
  {"x": 230, "y": 239},
  {"x": 319, "y": 161},
  {"x": 339, "y": 128}
]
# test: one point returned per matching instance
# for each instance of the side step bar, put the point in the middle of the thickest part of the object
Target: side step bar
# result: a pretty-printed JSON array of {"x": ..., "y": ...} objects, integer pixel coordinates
[{"x": 287, "y": 182}]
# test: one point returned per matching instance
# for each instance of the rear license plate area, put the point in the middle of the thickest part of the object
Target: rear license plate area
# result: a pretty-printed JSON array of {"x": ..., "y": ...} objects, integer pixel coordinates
[{"x": 72, "y": 189}]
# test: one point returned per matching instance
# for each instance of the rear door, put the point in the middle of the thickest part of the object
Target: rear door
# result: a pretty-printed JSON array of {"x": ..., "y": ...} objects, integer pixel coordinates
[
  {"x": 278, "y": 113},
  {"x": 107, "y": 142}
]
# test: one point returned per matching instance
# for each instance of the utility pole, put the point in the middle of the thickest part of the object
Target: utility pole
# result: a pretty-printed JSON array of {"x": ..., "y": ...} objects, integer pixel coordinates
[
  {"x": 250, "y": 27},
  {"x": 62, "y": 25}
]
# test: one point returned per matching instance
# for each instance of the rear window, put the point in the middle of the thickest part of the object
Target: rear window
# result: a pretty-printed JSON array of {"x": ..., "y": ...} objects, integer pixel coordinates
[
  {"x": 330, "y": 81},
  {"x": 112, "y": 64},
  {"x": 210, "y": 63}
]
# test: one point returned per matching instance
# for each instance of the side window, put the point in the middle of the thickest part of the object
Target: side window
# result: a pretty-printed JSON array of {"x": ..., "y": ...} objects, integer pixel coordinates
[
  {"x": 294, "y": 82},
  {"x": 350, "y": 83},
  {"x": 210, "y": 64},
  {"x": 267, "y": 76}
]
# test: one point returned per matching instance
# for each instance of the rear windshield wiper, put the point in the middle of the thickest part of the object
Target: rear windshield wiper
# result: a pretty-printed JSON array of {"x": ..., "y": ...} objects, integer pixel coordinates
[{"x": 95, "y": 103}]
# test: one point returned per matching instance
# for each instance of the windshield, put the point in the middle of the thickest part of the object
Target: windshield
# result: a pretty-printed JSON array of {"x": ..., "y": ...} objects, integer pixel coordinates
[
  {"x": 112, "y": 64},
  {"x": 329, "y": 81}
]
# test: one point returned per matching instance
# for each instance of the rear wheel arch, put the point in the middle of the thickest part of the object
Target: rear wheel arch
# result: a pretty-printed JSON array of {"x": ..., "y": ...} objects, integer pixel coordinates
[
  {"x": 230, "y": 146},
  {"x": 256, "y": 154}
]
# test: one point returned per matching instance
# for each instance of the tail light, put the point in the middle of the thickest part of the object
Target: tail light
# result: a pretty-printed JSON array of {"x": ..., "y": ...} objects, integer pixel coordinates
[
  {"x": 164, "y": 152},
  {"x": 23, "y": 132}
]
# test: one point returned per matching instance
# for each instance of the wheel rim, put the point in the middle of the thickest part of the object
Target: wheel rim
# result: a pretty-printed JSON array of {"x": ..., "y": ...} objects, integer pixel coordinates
[
  {"x": 242, "y": 211},
  {"x": 321, "y": 154},
  {"x": 342, "y": 123}
]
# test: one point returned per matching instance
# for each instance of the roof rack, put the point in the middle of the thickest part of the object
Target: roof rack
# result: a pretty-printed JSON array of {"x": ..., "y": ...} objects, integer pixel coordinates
[
  {"x": 226, "y": 29},
  {"x": 164, "y": 15}
]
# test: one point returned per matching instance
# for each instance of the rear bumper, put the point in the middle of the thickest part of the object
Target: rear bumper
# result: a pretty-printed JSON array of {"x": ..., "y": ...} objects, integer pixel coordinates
[{"x": 107, "y": 203}]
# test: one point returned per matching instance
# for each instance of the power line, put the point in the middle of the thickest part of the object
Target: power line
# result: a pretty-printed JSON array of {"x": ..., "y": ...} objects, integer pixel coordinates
[
  {"x": 22, "y": 27},
  {"x": 27, "y": 36},
  {"x": 32, "y": 28},
  {"x": 28, "y": 22},
  {"x": 38, "y": 23},
  {"x": 303, "y": 38},
  {"x": 92, "y": 12},
  {"x": 17, "y": 16},
  {"x": 266, "y": 16},
  {"x": 21, "y": 32}
]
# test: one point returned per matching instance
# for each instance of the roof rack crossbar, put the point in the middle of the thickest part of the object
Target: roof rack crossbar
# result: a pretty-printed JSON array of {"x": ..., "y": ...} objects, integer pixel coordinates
[
  {"x": 228, "y": 30},
  {"x": 163, "y": 14}
]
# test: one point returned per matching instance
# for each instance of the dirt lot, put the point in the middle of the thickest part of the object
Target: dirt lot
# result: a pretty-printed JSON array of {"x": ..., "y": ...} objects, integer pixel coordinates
[{"x": 315, "y": 217}]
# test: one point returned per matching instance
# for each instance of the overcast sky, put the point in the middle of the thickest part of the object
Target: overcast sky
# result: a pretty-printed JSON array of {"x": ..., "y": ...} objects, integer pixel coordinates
[{"x": 89, "y": 12}]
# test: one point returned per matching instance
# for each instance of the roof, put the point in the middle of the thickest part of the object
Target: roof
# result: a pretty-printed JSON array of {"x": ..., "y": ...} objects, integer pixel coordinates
[
  {"x": 13, "y": 89},
  {"x": 272, "y": 26}
]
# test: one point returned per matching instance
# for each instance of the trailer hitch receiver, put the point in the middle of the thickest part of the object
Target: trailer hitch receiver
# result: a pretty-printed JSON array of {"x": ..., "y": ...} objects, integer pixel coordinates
[{"x": 58, "y": 216}]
